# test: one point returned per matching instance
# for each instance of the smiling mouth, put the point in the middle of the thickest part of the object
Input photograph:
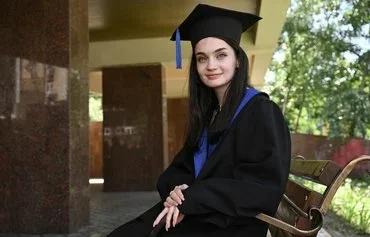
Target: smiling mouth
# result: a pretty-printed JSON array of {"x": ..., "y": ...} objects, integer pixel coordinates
[{"x": 213, "y": 76}]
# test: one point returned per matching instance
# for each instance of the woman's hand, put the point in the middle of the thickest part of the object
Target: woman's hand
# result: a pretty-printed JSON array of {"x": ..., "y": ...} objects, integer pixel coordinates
[
  {"x": 176, "y": 197},
  {"x": 171, "y": 211},
  {"x": 172, "y": 214}
]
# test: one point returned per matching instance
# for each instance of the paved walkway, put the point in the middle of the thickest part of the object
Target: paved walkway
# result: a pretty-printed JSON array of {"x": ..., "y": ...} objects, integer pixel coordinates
[{"x": 110, "y": 210}]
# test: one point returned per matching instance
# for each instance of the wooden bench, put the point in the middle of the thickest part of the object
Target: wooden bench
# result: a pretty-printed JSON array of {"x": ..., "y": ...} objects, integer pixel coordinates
[{"x": 302, "y": 210}]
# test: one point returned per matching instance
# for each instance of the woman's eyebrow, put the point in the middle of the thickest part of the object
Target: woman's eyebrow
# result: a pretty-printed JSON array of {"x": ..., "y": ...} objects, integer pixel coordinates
[{"x": 216, "y": 51}]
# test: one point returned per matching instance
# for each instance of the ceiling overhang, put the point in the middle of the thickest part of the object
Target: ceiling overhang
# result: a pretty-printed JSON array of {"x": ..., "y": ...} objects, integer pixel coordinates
[{"x": 137, "y": 32}]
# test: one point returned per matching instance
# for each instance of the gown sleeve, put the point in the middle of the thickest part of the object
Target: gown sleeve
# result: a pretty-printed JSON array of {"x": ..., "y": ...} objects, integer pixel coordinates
[
  {"x": 262, "y": 159},
  {"x": 177, "y": 173}
]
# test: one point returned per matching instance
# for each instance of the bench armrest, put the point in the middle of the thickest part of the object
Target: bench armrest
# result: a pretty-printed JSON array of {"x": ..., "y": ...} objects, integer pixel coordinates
[{"x": 314, "y": 214}]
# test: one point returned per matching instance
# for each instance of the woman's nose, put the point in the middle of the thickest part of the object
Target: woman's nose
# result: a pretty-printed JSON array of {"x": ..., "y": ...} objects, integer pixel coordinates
[{"x": 211, "y": 65}]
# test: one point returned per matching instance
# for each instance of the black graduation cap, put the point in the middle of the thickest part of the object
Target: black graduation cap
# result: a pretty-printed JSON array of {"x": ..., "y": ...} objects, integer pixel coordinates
[{"x": 209, "y": 21}]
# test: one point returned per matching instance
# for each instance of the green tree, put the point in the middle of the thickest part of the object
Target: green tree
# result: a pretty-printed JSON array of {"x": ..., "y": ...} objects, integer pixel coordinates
[
  {"x": 321, "y": 71},
  {"x": 95, "y": 107}
]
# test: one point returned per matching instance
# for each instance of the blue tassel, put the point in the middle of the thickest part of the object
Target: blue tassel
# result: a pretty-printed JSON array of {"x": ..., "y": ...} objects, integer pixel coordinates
[{"x": 178, "y": 50}]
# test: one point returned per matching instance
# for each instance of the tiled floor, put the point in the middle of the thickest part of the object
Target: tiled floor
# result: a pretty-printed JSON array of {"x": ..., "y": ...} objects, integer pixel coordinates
[{"x": 109, "y": 210}]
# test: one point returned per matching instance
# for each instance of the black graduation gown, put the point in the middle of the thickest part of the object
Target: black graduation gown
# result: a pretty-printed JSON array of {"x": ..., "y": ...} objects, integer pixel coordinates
[{"x": 245, "y": 175}]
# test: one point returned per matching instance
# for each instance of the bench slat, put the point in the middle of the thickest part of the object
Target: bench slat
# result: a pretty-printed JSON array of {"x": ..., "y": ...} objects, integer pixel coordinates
[
  {"x": 319, "y": 171},
  {"x": 302, "y": 196}
]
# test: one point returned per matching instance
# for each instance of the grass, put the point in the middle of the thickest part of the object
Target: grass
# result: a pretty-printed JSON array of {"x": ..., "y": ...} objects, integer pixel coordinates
[
  {"x": 337, "y": 226},
  {"x": 351, "y": 202}
]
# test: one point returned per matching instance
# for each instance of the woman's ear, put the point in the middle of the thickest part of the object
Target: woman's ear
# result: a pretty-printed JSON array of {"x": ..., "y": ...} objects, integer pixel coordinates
[{"x": 237, "y": 63}]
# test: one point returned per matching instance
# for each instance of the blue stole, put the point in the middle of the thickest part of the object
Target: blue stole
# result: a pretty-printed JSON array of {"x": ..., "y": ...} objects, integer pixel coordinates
[{"x": 205, "y": 149}]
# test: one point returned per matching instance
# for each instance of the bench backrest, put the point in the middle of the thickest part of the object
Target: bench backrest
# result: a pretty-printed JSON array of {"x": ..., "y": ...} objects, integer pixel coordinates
[{"x": 299, "y": 199}]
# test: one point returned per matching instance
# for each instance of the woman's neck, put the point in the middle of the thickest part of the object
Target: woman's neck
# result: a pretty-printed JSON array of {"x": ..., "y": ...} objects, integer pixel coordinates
[{"x": 220, "y": 94}]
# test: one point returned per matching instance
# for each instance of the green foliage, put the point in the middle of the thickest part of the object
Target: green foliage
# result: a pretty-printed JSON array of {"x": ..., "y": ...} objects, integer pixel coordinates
[
  {"x": 321, "y": 74},
  {"x": 352, "y": 202},
  {"x": 95, "y": 107},
  {"x": 345, "y": 119}
]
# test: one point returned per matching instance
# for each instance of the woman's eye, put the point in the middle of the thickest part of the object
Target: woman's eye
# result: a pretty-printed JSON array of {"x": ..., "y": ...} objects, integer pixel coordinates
[
  {"x": 201, "y": 59},
  {"x": 221, "y": 56}
]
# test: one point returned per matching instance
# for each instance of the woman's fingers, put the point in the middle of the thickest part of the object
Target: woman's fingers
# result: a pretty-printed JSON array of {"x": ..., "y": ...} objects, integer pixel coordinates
[
  {"x": 169, "y": 217},
  {"x": 171, "y": 202},
  {"x": 183, "y": 186},
  {"x": 175, "y": 216},
  {"x": 176, "y": 197},
  {"x": 172, "y": 215},
  {"x": 179, "y": 194},
  {"x": 160, "y": 216}
]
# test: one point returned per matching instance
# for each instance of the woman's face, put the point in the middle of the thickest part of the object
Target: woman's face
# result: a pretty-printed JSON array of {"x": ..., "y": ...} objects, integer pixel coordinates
[{"x": 216, "y": 62}]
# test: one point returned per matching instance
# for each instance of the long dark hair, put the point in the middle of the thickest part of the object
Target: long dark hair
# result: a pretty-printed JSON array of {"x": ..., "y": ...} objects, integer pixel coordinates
[{"x": 203, "y": 101}]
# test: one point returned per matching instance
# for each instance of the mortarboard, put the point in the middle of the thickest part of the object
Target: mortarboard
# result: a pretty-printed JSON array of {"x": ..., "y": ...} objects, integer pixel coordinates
[{"x": 208, "y": 21}]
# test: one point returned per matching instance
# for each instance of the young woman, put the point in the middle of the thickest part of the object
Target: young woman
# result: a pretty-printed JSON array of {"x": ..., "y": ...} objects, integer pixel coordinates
[{"x": 236, "y": 157}]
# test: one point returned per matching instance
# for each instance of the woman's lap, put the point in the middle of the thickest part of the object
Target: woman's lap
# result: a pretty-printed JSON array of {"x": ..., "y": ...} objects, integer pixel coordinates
[
  {"x": 134, "y": 228},
  {"x": 142, "y": 228}
]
